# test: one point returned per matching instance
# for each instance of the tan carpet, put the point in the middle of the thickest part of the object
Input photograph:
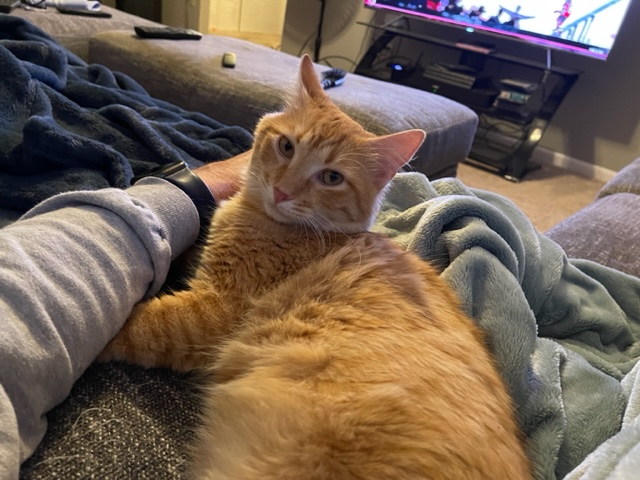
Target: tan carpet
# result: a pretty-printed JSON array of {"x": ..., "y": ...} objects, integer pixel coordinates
[{"x": 546, "y": 196}]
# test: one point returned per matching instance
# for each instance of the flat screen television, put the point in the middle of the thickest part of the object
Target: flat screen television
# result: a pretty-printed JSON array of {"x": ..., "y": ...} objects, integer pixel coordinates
[{"x": 587, "y": 27}]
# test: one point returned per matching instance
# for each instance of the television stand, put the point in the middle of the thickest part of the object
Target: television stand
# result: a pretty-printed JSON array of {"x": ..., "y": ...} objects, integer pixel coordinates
[{"x": 514, "y": 98}]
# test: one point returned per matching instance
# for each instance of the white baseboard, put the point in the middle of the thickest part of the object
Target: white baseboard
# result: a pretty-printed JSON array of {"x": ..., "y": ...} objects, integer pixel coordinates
[{"x": 544, "y": 156}]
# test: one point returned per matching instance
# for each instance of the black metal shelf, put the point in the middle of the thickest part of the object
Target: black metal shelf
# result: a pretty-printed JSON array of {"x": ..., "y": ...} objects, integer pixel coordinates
[{"x": 509, "y": 152}]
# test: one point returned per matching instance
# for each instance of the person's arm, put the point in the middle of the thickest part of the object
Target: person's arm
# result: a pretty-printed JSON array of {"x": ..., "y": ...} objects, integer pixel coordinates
[
  {"x": 225, "y": 178},
  {"x": 71, "y": 270}
]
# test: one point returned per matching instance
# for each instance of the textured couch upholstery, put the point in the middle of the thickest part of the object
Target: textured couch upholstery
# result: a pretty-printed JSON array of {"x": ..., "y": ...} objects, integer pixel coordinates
[{"x": 607, "y": 231}]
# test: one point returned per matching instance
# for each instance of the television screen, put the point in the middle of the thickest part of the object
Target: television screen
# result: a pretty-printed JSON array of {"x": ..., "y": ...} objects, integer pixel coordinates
[{"x": 587, "y": 27}]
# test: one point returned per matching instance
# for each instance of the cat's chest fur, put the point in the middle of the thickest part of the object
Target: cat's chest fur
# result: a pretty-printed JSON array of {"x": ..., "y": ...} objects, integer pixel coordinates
[{"x": 249, "y": 253}]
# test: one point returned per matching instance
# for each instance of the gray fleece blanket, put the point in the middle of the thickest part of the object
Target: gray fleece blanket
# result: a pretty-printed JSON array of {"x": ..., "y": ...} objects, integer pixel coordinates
[{"x": 564, "y": 332}]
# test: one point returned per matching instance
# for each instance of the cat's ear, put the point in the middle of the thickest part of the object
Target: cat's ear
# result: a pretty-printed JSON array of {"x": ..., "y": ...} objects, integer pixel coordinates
[
  {"x": 309, "y": 78},
  {"x": 393, "y": 152}
]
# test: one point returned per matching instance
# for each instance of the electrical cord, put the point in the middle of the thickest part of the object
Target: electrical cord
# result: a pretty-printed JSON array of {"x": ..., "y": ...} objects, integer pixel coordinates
[
  {"x": 362, "y": 44},
  {"x": 543, "y": 84},
  {"x": 339, "y": 57},
  {"x": 354, "y": 63},
  {"x": 504, "y": 128},
  {"x": 407, "y": 26},
  {"x": 304, "y": 45}
]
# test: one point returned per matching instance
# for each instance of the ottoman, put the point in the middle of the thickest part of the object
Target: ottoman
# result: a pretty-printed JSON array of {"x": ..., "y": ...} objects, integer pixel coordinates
[{"x": 190, "y": 74}]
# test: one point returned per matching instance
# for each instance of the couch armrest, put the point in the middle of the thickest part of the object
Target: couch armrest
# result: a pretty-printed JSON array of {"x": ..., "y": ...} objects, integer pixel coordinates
[
  {"x": 604, "y": 233},
  {"x": 626, "y": 180},
  {"x": 190, "y": 74}
]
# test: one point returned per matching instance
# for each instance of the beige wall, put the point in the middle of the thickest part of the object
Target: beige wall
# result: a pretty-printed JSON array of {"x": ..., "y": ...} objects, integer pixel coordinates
[
  {"x": 598, "y": 121},
  {"x": 350, "y": 44},
  {"x": 190, "y": 14}
]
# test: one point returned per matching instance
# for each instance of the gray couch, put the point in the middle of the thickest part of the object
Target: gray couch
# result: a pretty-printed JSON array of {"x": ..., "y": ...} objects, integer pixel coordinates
[
  {"x": 125, "y": 422},
  {"x": 607, "y": 231}
]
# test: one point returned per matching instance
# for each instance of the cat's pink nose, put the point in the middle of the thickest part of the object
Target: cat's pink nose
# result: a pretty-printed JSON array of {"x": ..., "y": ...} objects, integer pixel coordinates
[{"x": 279, "y": 195}]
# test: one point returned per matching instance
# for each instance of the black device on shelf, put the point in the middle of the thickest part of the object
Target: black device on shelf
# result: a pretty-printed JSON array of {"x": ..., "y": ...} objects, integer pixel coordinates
[
  {"x": 476, "y": 92},
  {"x": 459, "y": 75}
]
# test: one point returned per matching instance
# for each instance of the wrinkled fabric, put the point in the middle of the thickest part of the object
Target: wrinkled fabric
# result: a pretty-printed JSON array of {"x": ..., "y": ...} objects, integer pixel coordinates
[
  {"x": 66, "y": 125},
  {"x": 564, "y": 332}
]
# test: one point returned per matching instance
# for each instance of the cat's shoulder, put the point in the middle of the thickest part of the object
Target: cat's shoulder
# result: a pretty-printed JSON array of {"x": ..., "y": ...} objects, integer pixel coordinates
[{"x": 374, "y": 249}]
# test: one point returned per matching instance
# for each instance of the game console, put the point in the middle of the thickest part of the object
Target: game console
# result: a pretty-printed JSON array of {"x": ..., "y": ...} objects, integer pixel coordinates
[
  {"x": 458, "y": 75},
  {"x": 514, "y": 85}
]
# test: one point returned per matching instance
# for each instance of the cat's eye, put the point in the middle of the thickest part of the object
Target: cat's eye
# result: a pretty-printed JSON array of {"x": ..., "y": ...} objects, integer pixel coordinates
[
  {"x": 286, "y": 147},
  {"x": 331, "y": 177}
]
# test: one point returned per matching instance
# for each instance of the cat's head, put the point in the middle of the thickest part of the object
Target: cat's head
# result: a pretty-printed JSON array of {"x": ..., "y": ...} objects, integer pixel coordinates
[{"x": 313, "y": 165}]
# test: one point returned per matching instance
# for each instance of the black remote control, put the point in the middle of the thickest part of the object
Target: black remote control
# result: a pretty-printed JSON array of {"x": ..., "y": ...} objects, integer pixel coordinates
[
  {"x": 332, "y": 78},
  {"x": 171, "y": 33}
]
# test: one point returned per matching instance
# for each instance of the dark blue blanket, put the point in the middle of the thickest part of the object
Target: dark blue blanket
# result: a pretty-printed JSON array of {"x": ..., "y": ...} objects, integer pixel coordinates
[{"x": 67, "y": 125}]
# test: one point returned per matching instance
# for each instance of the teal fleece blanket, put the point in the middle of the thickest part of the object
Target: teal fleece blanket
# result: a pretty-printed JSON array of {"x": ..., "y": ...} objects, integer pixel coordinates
[{"x": 564, "y": 331}]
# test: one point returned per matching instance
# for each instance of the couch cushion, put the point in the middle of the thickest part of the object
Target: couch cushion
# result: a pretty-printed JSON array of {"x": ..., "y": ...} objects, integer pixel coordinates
[
  {"x": 626, "y": 180},
  {"x": 189, "y": 74},
  {"x": 603, "y": 233}
]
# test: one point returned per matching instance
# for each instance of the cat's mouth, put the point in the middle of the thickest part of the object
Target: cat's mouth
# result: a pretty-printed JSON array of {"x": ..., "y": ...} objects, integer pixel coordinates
[
  {"x": 288, "y": 213},
  {"x": 281, "y": 212}
]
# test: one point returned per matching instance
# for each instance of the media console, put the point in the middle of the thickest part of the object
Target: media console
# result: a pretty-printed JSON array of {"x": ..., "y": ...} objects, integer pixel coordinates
[{"x": 515, "y": 98}]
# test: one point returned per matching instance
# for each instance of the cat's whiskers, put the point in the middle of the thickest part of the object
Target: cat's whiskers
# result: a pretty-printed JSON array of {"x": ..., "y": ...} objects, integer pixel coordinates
[
  {"x": 327, "y": 225},
  {"x": 317, "y": 234},
  {"x": 351, "y": 240}
]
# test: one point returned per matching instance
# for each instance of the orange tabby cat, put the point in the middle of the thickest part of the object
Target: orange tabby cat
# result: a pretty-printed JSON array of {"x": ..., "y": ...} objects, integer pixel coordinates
[{"x": 334, "y": 354}]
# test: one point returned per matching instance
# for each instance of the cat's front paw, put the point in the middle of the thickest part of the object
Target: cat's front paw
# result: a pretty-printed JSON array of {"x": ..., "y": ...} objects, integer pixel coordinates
[
  {"x": 126, "y": 346},
  {"x": 114, "y": 350}
]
